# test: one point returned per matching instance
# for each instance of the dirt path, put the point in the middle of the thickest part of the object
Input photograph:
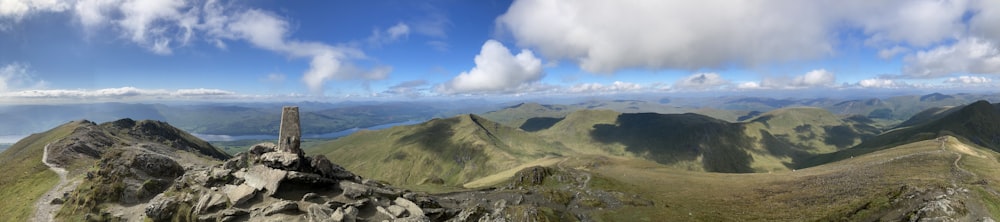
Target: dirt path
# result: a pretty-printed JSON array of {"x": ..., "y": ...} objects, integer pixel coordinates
[{"x": 44, "y": 210}]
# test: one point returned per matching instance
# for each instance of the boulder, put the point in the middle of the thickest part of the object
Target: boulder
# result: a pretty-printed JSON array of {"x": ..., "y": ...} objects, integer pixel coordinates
[
  {"x": 264, "y": 178},
  {"x": 232, "y": 214},
  {"x": 308, "y": 178},
  {"x": 240, "y": 194},
  {"x": 354, "y": 190},
  {"x": 161, "y": 208},
  {"x": 396, "y": 211},
  {"x": 262, "y": 148},
  {"x": 280, "y": 207},
  {"x": 316, "y": 212},
  {"x": 156, "y": 165},
  {"x": 328, "y": 169},
  {"x": 281, "y": 160},
  {"x": 411, "y": 207},
  {"x": 209, "y": 203}
]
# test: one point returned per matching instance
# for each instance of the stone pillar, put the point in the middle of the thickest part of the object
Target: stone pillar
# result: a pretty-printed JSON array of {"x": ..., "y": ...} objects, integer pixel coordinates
[{"x": 290, "y": 134}]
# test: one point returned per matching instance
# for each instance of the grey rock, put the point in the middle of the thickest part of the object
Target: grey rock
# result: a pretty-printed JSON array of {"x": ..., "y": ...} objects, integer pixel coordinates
[
  {"x": 156, "y": 165},
  {"x": 280, "y": 206},
  {"x": 263, "y": 178},
  {"x": 382, "y": 214},
  {"x": 328, "y": 169},
  {"x": 309, "y": 197},
  {"x": 317, "y": 213},
  {"x": 281, "y": 160},
  {"x": 161, "y": 207},
  {"x": 210, "y": 203},
  {"x": 56, "y": 201},
  {"x": 354, "y": 190},
  {"x": 262, "y": 148},
  {"x": 232, "y": 214},
  {"x": 240, "y": 194},
  {"x": 396, "y": 210},
  {"x": 308, "y": 178},
  {"x": 469, "y": 214},
  {"x": 411, "y": 207},
  {"x": 348, "y": 214}
]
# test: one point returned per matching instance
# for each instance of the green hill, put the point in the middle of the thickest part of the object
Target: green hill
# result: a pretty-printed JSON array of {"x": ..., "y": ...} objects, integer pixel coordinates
[
  {"x": 24, "y": 177},
  {"x": 772, "y": 141},
  {"x": 975, "y": 123},
  {"x": 450, "y": 151}
]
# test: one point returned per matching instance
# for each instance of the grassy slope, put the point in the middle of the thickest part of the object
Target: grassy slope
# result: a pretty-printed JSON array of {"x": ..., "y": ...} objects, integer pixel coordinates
[
  {"x": 517, "y": 115},
  {"x": 859, "y": 188},
  {"x": 456, "y": 150},
  {"x": 24, "y": 178},
  {"x": 974, "y": 123}
]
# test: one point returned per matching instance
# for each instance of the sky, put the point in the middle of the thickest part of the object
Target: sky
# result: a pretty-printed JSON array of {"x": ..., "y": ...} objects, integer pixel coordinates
[{"x": 259, "y": 50}]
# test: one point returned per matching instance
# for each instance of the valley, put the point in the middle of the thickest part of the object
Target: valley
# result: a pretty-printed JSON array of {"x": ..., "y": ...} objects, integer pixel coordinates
[{"x": 528, "y": 161}]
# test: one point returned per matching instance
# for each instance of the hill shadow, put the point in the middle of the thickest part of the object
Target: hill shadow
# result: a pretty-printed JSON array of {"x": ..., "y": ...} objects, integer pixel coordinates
[
  {"x": 539, "y": 123},
  {"x": 671, "y": 138}
]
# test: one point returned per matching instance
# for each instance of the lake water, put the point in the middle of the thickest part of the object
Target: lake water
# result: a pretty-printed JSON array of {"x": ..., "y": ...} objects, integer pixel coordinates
[{"x": 333, "y": 135}]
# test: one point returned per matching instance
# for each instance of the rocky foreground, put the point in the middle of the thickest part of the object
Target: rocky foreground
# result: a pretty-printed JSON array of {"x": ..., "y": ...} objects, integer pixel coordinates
[{"x": 266, "y": 184}]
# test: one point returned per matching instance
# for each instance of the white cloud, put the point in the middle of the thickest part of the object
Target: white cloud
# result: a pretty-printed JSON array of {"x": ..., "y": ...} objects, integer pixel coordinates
[
  {"x": 161, "y": 26},
  {"x": 16, "y": 76},
  {"x": 606, "y": 36},
  {"x": 748, "y": 85},
  {"x": 267, "y": 31},
  {"x": 819, "y": 77},
  {"x": 968, "y": 80},
  {"x": 701, "y": 81},
  {"x": 18, "y": 9},
  {"x": 496, "y": 71},
  {"x": 883, "y": 83},
  {"x": 615, "y": 87},
  {"x": 967, "y": 56},
  {"x": 392, "y": 34}
]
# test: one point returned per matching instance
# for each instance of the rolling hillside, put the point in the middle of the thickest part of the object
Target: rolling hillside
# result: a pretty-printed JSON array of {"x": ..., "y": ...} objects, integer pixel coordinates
[
  {"x": 450, "y": 151},
  {"x": 976, "y": 123},
  {"x": 772, "y": 141}
]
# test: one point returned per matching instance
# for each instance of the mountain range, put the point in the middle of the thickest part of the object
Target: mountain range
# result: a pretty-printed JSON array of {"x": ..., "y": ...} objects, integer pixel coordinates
[{"x": 832, "y": 160}]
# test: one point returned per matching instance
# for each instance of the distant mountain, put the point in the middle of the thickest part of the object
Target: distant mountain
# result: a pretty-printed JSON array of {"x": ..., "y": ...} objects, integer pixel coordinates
[
  {"x": 977, "y": 123},
  {"x": 451, "y": 151},
  {"x": 772, "y": 141},
  {"x": 517, "y": 115}
]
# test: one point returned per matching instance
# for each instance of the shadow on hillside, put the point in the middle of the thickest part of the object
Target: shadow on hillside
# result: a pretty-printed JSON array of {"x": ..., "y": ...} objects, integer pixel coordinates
[
  {"x": 539, "y": 123},
  {"x": 437, "y": 137},
  {"x": 671, "y": 138}
]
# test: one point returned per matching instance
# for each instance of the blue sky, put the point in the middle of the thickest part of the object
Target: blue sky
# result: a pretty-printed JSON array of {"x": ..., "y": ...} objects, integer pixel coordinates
[{"x": 140, "y": 50}]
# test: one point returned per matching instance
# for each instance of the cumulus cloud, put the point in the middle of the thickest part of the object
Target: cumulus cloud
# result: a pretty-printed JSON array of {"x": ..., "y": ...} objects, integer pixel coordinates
[
  {"x": 819, "y": 77},
  {"x": 969, "y": 80},
  {"x": 700, "y": 81},
  {"x": 161, "y": 26},
  {"x": 496, "y": 71},
  {"x": 606, "y": 36},
  {"x": 967, "y": 56},
  {"x": 811, "y": 79},
  {"x": 615, "y": 87}
]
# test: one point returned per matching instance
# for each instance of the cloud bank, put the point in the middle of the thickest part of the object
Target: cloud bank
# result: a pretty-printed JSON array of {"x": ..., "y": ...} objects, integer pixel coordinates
[{"x": 608, "y": 36}]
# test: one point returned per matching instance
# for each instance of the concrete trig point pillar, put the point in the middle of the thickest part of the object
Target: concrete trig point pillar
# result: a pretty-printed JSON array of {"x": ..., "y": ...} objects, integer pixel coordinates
[{"x": 290, "y": 134}]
